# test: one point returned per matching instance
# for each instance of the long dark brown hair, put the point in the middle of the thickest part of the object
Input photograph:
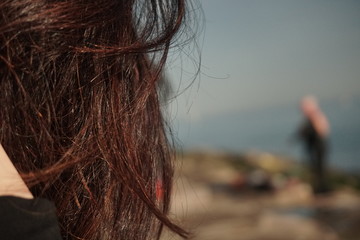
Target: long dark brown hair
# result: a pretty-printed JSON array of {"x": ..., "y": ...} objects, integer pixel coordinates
[{"x": 80, "y": 115}]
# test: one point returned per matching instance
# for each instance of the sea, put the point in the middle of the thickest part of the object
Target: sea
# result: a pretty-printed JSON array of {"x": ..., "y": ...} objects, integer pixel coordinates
[{"x": 273, "y": 129}]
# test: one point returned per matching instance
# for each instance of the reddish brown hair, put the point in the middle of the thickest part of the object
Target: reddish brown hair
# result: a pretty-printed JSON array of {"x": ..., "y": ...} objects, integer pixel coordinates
[{"x": 80, "y": 116}]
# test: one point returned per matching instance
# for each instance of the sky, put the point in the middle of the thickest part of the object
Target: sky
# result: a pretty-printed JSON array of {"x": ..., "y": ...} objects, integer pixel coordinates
[{"x": 258, "y": 54}]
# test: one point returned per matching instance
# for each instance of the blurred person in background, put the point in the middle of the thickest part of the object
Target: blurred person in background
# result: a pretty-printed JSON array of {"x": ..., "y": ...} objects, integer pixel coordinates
[{"x": 314, "y": 133}]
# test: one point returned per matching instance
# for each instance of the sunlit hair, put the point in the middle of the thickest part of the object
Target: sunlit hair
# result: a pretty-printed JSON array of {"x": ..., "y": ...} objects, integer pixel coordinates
[{"x": 80, "y": 115}]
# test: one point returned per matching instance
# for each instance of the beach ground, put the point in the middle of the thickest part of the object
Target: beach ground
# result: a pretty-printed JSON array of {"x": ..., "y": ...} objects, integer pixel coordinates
[{"x": 214, "y": 199}]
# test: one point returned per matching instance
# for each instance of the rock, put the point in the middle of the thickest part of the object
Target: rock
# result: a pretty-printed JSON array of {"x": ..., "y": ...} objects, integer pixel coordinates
[
  {"x": 294, "y": 195},
  {"x": 189, "y": 198},
  {"x": 286, "y": 227}
]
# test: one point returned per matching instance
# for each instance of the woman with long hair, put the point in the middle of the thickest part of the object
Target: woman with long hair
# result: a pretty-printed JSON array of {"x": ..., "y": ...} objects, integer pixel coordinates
[{"x": 80, "y": 116}]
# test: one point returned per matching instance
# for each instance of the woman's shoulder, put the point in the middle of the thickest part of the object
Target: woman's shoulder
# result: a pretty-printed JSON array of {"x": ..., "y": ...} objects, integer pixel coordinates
[{"x": 21, "y": 215}]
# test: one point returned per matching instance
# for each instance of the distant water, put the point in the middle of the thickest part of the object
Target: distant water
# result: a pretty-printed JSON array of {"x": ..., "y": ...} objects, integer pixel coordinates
[{"x": 272, "y": 130}]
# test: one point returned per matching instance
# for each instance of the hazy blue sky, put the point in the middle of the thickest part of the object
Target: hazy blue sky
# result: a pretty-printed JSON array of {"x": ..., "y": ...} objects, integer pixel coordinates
[{"x": 263, "y": 53}]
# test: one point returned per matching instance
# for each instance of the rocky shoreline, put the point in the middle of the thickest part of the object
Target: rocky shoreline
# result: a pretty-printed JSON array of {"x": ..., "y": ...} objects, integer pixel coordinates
[{"x": 260, "y": 196}]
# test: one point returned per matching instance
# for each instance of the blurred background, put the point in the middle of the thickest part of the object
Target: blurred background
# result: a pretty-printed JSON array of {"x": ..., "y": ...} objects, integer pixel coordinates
[{"x": 241, "y": 172}]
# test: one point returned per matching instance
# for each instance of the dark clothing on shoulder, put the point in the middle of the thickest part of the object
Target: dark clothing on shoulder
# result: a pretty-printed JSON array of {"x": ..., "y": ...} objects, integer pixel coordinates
[{"x": 28, "y": 219}]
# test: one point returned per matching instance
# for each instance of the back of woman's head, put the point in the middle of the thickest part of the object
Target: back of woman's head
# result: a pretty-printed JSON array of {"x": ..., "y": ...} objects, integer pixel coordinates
[{"x": 79, "y": 114}]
